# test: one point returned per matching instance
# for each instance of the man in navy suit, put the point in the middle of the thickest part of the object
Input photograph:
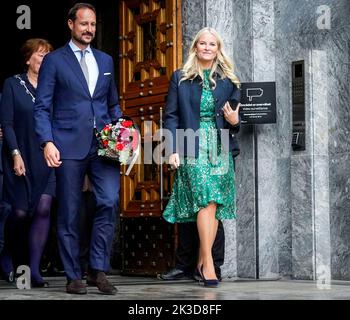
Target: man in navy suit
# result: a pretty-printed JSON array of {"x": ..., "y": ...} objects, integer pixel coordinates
[{"x": 77, "y": 96}]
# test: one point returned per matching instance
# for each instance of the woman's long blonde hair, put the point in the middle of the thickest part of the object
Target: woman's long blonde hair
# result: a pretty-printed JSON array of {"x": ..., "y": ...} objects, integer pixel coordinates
[{"x": 222, "y": 63}]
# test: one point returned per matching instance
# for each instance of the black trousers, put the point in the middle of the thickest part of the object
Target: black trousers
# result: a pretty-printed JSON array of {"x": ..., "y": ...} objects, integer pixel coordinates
[{"x": 188, "y": 245}]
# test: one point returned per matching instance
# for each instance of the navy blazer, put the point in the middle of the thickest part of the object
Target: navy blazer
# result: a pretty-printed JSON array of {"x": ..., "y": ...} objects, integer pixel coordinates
[
  {"x": 64, "y": 110},
  {"x": 183, "y": 110}
]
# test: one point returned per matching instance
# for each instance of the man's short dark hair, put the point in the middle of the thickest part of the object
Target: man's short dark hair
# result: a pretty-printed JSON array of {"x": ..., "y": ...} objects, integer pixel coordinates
[{"x": 72, "y": 14}]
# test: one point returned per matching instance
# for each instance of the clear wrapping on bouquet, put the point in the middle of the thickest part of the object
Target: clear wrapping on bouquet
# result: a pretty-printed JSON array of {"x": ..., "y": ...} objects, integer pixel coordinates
[{"x": 120, "y": 141}]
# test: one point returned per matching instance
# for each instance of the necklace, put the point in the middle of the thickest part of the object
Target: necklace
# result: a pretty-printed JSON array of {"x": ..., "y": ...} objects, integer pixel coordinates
[{"x": 22, "y": 82}]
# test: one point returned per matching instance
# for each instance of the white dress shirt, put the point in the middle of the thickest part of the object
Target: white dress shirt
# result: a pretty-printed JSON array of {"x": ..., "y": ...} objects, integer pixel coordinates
[{"x": 91, "y": 65}]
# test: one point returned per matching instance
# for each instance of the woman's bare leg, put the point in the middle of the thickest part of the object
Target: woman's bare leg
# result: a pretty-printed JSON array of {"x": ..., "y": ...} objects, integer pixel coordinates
[{"x": 207, "y": 227}]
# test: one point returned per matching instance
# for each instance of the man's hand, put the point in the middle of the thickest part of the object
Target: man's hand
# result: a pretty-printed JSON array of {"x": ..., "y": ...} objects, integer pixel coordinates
[
  {"x": 18, "y": 165},
  {"x": 174, "y": 160},
  {"x": 231, "y": 116},
  {"x": 52, "y": 155}
]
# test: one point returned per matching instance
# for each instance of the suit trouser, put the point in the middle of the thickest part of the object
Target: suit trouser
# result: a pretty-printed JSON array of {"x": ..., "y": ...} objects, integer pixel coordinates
[
  {"x": 87, "y": 212},
  {"x": 4, "y": 210},
  {"x": 188, "y": 245},
  {"x": 104, "y": 176}
]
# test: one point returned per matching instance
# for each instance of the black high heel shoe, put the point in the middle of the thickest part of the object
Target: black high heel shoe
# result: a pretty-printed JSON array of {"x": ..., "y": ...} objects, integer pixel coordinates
[{"x": 210, "y": 283}]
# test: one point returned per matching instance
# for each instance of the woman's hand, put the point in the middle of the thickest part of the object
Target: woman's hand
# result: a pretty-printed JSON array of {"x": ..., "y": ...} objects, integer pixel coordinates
[
  {"x": 18, "y": 165},
  {"x": 174, "y": 160},
  {"x": 231, "y": 116}
]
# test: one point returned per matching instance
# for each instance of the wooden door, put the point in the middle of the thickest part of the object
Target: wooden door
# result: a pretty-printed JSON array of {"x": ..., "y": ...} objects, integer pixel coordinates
[{"x": 150, "y": 43}]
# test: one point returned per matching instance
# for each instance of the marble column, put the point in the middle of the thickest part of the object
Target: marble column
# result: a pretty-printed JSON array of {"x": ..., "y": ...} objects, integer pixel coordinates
[
  {"x": 271, "y": 172},
  {"x": 193, "y": 19},
  {"x": 245, "y": 175}
]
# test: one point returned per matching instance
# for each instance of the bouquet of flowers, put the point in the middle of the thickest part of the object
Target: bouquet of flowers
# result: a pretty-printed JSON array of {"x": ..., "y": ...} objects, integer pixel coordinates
[{"x": 120, "y": 141}]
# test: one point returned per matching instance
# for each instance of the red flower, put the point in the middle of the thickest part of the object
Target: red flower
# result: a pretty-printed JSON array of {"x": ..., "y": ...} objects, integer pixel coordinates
[
  {"x": 105, "y": 143},
  {"x": 127, "y": 123},
  {"x": 119, "y": 146}
]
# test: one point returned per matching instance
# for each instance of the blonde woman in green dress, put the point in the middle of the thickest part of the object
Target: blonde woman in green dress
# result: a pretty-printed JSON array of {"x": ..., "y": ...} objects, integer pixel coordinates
[{"x": 203, "y": 127}]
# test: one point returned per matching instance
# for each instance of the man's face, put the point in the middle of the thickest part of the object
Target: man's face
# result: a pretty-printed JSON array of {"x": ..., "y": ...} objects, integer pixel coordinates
[{"x": 84, "y": 27}]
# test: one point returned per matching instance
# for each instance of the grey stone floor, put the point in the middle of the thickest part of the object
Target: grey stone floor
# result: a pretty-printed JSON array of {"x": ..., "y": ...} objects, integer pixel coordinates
[{"x": 137, "y": 288}]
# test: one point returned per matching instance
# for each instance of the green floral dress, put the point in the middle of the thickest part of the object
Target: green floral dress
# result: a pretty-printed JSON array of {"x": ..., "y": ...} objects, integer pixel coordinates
[{"x": 208, "y": 178}]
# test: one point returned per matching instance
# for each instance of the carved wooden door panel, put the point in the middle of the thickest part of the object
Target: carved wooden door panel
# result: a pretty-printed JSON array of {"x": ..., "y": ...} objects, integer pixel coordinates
[{"x": 150, "y": 49}]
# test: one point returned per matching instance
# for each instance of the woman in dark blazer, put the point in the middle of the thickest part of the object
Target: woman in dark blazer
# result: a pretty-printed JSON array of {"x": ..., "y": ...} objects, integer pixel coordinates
[
  {"x": 203, "y": 126},
  {"x": 28, "y": 183}
]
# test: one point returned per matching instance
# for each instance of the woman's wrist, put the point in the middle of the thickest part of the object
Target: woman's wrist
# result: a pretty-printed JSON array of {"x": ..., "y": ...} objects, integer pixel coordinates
[
  {"x": 15, "y": 152},
  {"x": 235, "y": 123}
]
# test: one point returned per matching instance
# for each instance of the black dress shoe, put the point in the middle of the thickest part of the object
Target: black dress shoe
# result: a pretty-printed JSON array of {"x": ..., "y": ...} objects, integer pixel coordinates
[
  {"x": 76, "y": 287},
  {"x": 175, "y": 274},
  {"x": 99, "y": 279}
]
